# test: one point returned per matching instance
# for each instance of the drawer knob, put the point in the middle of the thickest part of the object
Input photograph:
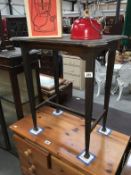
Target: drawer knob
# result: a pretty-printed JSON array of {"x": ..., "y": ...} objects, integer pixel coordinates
[
  {"x": 27, "y": 153},
  {"x": 32, "y": 169}
]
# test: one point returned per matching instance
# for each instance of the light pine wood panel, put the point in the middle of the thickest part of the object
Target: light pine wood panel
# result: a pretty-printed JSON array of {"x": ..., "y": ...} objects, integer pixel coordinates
[
  {"x": 62, "y": 168},
  {"x": 32, "y": 158},
  {"x": 66, "y": 134}
]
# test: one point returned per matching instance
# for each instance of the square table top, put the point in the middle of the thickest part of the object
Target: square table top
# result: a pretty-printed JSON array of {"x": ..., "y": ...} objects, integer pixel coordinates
[
  {"x": 65, "y": 39},
  {"x": 82, "y": 48}
]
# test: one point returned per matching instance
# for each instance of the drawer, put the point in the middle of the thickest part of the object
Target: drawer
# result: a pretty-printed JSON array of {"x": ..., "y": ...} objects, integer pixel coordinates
[
  {"x": 72, "y": 70},
  {"x": 74, "y": 79},
  {"x": 26, "y": 171},
  {"x": 61, "y": 168},
  {"x": 69, "y": 61},
  {"x": 32, "y": 158}
]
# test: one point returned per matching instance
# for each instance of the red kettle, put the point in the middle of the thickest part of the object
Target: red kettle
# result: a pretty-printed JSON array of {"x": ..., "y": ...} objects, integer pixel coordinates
[{"x": 86, "y": 29}]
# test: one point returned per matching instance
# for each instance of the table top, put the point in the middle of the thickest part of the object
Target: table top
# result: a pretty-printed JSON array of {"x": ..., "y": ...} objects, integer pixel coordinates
[
  {"x": 65, "y": 39},
  {"x": 82, "y": 48},
  {"x": 12, "y": 57},
  {"x": 66, "y": 134},
  {"x": 16, "y": 52}
]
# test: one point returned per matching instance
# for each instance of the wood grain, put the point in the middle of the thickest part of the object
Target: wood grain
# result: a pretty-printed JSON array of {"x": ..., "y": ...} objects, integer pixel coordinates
[{"x": 66, "y": 134}]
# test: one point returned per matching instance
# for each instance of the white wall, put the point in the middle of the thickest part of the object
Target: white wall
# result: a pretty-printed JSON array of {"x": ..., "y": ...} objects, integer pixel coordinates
[
  {"x": 18, "y": 7},
  {"x": 66, "y": 6},
  {"x": 4, "y": 7}
]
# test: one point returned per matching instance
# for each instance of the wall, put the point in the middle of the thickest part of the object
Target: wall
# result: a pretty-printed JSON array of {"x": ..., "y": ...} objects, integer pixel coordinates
[
  {"x": 66, "y": 6},
  {"x": 4, "y": 7},
  {"x": 18, "y": 7},
  {"x": 108, "y": 9}
]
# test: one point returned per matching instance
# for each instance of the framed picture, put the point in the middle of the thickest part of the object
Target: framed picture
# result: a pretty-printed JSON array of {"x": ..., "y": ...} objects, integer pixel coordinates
[{"x": 44, "y": 18}]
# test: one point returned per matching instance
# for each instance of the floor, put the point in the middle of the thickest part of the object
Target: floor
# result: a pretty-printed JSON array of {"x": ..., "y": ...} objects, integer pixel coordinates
[
  {"x": 123, "y": 105},
  {"x": 9, "y": 164}
]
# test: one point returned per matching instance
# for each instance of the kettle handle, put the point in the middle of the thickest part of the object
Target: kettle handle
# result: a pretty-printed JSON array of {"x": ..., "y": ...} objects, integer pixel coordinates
[{"x": 98, "y": 30}]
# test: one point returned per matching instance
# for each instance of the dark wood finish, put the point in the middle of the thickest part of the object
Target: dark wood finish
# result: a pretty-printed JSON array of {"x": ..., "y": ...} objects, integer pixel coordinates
[
  {"x": 66, "y": 134},
  {"x": 47, "y": 65},
  {"x": 16, "y": 93},
  {"x": 88, "y": 51},
  {"x": 12, "y": 62},
  {"x": 16, "y": 26},
  {"x": 65, "y": 92},
  {"x": 127, "y": 166},
  {"x": 72, "y": 46},
  {"x": 114, "y": 25},
  {"x": 4, "y": 129}
]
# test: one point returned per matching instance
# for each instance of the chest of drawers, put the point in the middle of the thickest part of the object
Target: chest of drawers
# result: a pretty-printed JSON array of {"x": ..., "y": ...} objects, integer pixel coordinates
[
  {"x": 73, "y": 70},
  {"x": 54, "y": 151}
]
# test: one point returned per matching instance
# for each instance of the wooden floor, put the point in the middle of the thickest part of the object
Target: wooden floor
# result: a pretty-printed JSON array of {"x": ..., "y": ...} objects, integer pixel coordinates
[{"x": 66, "y": 134}]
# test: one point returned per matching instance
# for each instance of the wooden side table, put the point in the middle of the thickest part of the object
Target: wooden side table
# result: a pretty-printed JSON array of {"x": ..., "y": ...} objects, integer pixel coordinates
[
  {"x": 12, "y": 62},
  {"x": 86, "y": 50}
]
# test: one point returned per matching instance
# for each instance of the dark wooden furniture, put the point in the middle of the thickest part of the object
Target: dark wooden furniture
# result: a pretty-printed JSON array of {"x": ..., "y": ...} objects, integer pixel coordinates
[
  {"x": 127, "y": 167},
  {"x": 4, "y": 130},
  {"x": 88, "y": 51},
  {"x": 65, "y": 92},
  {"x": 47, "y": 65},
  {"x": 16, "y": 26},
  {"x": 12, "y": 62},
  {"x": 55, "y": 150},
  {"x": 113, "y": 28}
]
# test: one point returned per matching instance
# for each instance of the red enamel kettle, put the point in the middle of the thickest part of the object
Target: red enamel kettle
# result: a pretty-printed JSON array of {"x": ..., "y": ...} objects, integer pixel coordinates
[{"x": 86, "y": 29}]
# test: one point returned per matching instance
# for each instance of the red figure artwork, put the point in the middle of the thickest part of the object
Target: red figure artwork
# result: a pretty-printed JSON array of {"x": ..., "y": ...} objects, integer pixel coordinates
[{"x": 44, "y": 18}]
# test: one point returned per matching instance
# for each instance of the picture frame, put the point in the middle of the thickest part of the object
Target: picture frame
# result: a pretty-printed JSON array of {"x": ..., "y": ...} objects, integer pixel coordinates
[{"x": 44, "y": 18}]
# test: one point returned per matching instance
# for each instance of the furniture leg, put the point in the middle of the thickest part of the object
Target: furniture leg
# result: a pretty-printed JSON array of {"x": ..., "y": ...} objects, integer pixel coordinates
[
  {"x": 4, "y": 129},
  {"x": 120, "y": 92},
  {"x": 56, "y": 76},
  {"x": 16, "y": 94},
  {"x": 89, "y": 90},
  {"x": 38, "y": 84},
  {"x": 110, "y": 67},
  {"x": 99, "y": 89},
  {"x": 29, "y": 81}
]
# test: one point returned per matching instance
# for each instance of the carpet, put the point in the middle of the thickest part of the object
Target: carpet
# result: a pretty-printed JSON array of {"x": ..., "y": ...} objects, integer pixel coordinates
[{"x": 117, "y": 120}]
